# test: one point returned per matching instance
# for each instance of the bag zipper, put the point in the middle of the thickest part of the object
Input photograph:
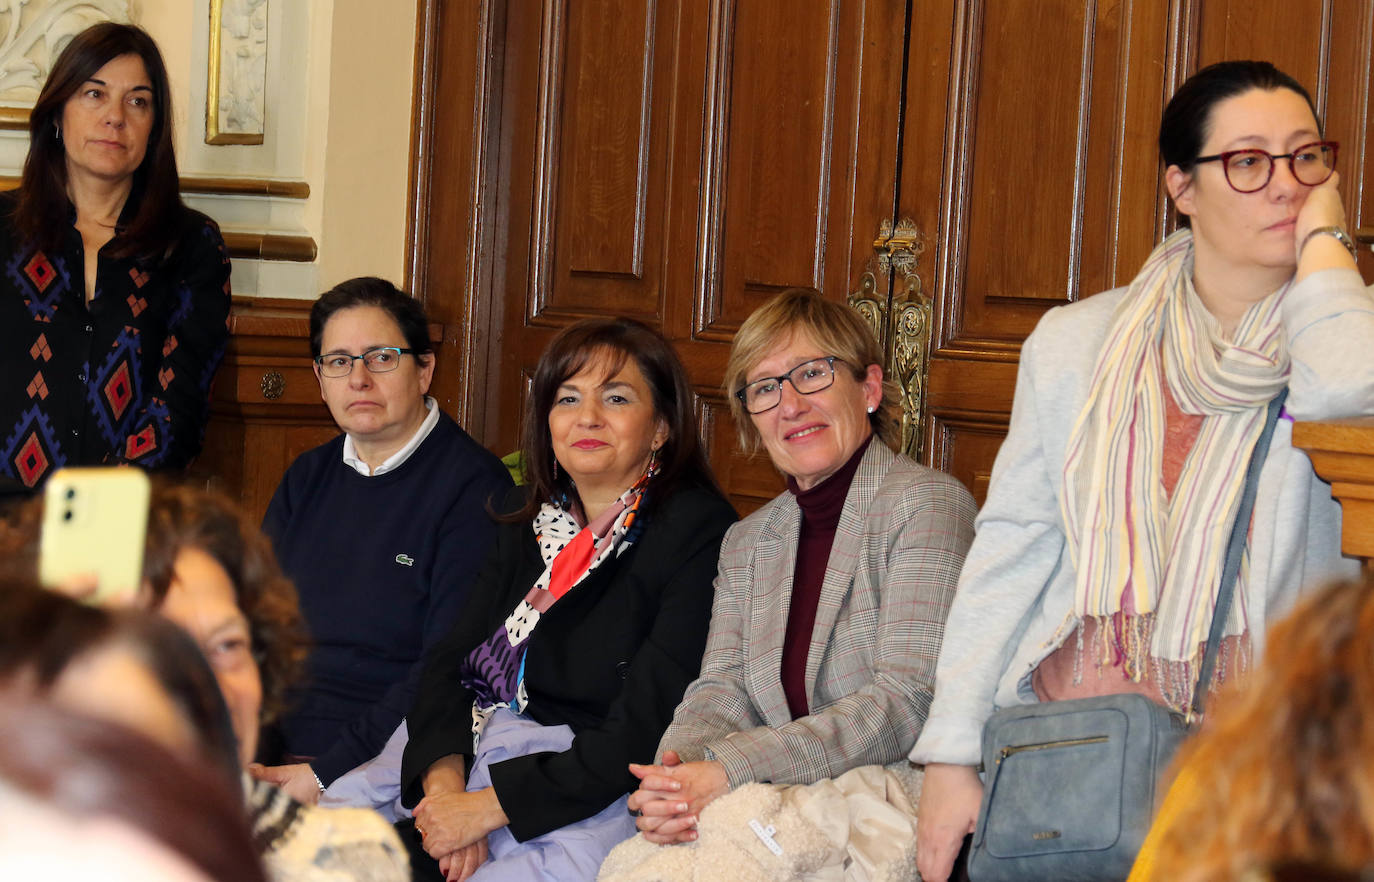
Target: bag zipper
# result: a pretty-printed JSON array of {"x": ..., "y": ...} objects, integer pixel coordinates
[{"x": 1047, "y": 745}]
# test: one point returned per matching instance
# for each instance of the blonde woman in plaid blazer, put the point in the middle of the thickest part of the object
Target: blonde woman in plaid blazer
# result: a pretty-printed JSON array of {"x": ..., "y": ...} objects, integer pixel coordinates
[{"x": 801, "y": 683}]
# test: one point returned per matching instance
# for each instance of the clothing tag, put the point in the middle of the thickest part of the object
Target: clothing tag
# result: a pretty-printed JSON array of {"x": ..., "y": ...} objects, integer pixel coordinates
[{"x": 765, "y": 835}]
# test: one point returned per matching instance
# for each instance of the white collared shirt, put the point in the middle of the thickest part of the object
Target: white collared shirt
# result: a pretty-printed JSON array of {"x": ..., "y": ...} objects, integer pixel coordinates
[{"x": 395, "y": 460}]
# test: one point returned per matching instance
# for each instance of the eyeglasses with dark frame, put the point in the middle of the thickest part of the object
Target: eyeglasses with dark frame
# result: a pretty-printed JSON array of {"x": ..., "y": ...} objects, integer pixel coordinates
[
  {"x": 377, "y": 360},
  {"x": 807, "y": 378},
  {"x": 1249, "y": 171}
]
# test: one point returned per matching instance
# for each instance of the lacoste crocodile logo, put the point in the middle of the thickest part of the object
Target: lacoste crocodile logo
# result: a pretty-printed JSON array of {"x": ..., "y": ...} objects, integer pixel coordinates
[{"x": 405, "y": 560}]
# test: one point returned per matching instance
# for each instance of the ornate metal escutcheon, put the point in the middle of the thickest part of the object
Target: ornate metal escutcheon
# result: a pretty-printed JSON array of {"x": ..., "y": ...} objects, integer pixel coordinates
[
  {"x": 903, "y": 325},
  {"x": 273, "y": 385}
]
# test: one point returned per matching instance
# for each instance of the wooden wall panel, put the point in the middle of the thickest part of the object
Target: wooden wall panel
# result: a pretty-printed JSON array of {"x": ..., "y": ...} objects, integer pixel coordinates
[
  {"x": 1047, "y": 166},
  {"x": 804, "y": 119},
  {"x": 1350, "y": 117},
  {"x": 1296, "y": 37},
  {"x": 1051, "y": 189},
  {"x": 749, "y": 480},
  {"x": 778, "y": 191},
  {"x": 1027, "y": 143},
  {"x": 977, "y": 396},
  {"x": 455, "y": 117},
  {"x": 601, "y": 161},
  {"x": 970, "y": 449},
  {"x": 605, "y": 148}
]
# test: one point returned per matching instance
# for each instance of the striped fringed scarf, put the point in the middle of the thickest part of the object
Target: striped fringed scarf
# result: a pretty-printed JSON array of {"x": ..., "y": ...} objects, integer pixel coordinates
[{"x": 1149, "y": 566}]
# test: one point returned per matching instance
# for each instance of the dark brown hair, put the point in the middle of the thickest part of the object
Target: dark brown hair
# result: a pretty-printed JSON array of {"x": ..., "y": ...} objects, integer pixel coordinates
[
  {"x": 405, "y": 311},
  {"x": 682, "y": 461},
  {"x": 42, "y": 632},
  {"x": 92, "y": 769},
  {"x": 1187, "y": 118},
  {"x": 181, "y": 517},
  {"x": 42, "y": 210}
]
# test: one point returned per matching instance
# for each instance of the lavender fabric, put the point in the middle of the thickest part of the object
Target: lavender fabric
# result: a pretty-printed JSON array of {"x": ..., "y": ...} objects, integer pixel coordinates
[
  {"x": 571, "y": 853},
  {"x": 375, "y": 784}
]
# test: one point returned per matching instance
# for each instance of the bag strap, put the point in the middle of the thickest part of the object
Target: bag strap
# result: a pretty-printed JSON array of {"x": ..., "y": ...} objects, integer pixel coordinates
[{"x": 1235, "y": 550}]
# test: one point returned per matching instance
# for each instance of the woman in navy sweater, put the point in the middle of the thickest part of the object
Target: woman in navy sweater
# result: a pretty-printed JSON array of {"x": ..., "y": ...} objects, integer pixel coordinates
[{"x": 382, "y": 530}]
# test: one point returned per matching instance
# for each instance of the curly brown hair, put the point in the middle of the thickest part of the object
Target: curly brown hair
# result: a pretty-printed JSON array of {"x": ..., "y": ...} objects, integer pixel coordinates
[
  {"x": 181, "y": 517},
  {"x": 1283, "y": 769}
]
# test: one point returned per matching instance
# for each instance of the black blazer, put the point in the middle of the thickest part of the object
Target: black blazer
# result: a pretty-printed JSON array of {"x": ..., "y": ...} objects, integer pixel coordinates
[{"x": 610, "y": 660}]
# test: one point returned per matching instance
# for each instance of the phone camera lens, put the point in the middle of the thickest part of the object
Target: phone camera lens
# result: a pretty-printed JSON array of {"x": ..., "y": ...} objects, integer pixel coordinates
[
  {"x": 71, "y": 492},
  {"x": 67, "y": 515}
]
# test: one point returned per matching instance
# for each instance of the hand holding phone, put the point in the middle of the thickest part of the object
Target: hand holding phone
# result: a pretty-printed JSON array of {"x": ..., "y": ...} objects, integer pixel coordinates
[{"x": 94, "y": 526}]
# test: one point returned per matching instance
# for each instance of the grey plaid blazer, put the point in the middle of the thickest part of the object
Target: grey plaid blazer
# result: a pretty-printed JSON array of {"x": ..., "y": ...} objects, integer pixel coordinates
[{"x": 870, "y": 673}]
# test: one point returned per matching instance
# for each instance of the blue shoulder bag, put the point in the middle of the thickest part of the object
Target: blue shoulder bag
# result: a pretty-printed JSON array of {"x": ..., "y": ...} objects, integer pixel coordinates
[{"x": 1072, "y": 786}]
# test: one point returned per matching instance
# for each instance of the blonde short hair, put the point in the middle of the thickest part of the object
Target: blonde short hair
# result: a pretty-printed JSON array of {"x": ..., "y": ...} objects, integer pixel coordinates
[{"x": 835, "y": 328}]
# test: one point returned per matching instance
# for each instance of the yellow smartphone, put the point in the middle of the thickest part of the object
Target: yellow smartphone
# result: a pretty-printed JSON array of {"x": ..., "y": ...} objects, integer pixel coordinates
[{"x": 94, "y": 525}]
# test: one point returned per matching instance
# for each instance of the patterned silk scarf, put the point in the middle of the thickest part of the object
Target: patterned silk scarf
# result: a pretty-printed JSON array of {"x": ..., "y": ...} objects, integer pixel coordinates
[
  {"x": 1146, "y": 564},
  {"x": 495, "y": 670}
]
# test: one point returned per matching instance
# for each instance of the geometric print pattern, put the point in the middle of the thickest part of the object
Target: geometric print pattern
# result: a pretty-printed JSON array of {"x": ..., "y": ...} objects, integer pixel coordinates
[
  {"x": 42, "y": 282},
  {"x": 113, "y": 385},
  {"x": 32, "y": 450},
  {"x": 122, "y": 377}
]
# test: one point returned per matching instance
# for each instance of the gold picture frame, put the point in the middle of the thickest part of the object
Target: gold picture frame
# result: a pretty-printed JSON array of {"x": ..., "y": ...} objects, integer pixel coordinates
[{"x": 215, "y": 127}]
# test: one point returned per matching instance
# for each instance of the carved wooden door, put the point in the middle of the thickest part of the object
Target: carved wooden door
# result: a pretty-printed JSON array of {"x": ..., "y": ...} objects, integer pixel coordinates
[
  {"x": 953, "y": 168},
  {"x": 680, "y": 162}
]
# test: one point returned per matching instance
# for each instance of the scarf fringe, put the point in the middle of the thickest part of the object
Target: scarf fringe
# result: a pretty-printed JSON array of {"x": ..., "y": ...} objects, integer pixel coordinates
[{"x": 1122, "y": 642}]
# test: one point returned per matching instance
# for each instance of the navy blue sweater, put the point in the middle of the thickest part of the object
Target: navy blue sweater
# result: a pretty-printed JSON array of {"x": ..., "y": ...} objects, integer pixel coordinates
[{"x": 383, "y": 565}]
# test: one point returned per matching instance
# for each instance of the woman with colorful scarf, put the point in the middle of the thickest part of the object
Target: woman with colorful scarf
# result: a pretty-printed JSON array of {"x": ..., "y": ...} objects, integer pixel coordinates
[
  {"x": 1099, "y": 549},
  {"x": 585, "y": 626}
]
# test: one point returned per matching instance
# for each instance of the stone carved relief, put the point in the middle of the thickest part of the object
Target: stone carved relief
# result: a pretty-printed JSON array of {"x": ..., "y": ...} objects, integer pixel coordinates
[
  {"x": 238, "y": 72},
  {"x": 34, "y": 32}
]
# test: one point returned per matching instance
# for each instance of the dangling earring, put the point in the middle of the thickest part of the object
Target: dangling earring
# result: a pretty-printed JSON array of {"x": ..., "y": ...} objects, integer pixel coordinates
[
  {"x": 555, "y": 469},
  {"x": 57, "y": 127},
  {"x": 653, "y": 461}
]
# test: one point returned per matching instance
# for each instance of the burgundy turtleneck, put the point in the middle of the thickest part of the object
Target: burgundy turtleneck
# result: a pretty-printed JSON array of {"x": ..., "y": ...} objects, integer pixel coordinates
[{"x": 820, "y": 507}]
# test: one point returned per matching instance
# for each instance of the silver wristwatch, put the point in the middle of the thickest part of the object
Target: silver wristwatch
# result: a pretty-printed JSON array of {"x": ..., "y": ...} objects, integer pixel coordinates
[{"x": 1340, "y": 235}]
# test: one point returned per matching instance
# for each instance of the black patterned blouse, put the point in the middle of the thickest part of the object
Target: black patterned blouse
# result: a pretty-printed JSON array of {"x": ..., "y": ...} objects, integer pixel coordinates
[{"x": 125, "y": 380}]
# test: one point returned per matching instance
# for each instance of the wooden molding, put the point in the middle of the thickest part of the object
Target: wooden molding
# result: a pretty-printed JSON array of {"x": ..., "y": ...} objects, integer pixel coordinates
[
  {"x": 219, "y": 186},
  {"x": 253, "y": 246},
  {"x": 421, "y": 151},
  {"x": 1342, "y": 453},
  {"x": 284, "y": 317},
  {"x": 14, "y": 118},
  {"x": 270, "y": 246},
  {"x": 246, "y": 187}
]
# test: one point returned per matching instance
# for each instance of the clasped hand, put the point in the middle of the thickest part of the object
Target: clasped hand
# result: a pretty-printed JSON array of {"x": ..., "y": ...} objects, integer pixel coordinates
[
  {"x": 672, "y": 795},
  {"x": 455, "y": 825}
]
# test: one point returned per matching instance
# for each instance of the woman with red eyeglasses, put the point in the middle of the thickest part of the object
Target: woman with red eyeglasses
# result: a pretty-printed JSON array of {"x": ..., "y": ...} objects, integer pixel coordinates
[{"x": 1098, "y": 553}]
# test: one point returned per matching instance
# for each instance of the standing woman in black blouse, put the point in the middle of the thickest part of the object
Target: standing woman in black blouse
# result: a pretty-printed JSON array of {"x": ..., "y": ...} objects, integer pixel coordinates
[{"x": 113, "y": 294}]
